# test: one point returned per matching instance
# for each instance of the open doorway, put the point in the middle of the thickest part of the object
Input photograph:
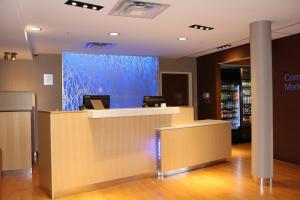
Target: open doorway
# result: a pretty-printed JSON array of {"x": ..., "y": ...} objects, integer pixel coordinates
[{"x": 235, "y": 102}]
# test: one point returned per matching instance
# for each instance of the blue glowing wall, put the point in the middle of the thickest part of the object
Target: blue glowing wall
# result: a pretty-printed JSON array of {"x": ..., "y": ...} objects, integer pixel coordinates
[{"x": 125, "y": 78}]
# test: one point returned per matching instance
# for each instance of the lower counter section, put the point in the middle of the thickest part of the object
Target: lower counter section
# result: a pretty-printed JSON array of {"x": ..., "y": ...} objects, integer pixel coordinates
[{"x": 191, "y": 145}]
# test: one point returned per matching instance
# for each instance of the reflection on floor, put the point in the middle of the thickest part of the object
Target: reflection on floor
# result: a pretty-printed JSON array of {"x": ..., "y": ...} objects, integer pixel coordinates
[{"x": 229, "y": 180}]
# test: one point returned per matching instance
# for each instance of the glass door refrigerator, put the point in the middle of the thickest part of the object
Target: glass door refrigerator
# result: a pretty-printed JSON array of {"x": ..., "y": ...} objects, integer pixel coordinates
[
  {"x": 236, "y": 101},
  {"x": 230, "y": 103},
  {"x": 245, "y": 105}
]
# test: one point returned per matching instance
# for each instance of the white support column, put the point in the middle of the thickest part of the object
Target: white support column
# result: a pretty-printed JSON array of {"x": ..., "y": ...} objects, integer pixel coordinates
[{"x": 262, "y": 100}]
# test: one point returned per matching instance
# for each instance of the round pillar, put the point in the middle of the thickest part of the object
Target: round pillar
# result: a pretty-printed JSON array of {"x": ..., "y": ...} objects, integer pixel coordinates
[{"x": 262, "y": 100}]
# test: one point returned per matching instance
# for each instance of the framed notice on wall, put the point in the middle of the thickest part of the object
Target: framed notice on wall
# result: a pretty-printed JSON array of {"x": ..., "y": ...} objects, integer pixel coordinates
[{"x": 48, "y": 79}]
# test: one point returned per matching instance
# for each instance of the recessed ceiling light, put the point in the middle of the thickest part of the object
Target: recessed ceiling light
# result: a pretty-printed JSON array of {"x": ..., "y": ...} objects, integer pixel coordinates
[
  {"x": 139, "y": 4},
  {"x": 33, "y": 28},
  {"x": 182, "y": 38},
  {"x": 13, "y": 55},
  {"x": 114, "y": 34},
  {"x": 224, "y": 47},
  {"x": 83, "y": 5},
  {"x": 6, "y": 55},
  {"x": 196, "y": 26},
  {"x": 99, "y": 45}
]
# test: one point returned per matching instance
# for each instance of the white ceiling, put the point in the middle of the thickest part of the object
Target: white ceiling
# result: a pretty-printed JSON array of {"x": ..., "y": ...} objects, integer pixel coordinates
[{"x": 68, "y": 28}]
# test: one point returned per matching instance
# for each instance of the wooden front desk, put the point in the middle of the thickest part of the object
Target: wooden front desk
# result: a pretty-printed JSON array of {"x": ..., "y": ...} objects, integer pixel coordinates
[{"x": 85, "y": 150}]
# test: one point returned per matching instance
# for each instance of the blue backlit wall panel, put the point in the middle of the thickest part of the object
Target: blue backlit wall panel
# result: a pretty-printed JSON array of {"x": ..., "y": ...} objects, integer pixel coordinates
[{"x": 125, "y": 78}]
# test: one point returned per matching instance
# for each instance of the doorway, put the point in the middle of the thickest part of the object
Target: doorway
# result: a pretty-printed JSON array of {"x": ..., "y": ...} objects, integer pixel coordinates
[
  {"x": 235, "y": 101},
  {"x": 176, "y": 88}
]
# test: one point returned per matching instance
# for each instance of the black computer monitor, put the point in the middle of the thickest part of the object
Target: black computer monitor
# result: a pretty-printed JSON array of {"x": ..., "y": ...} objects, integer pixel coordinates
[
  {"x": 153, "y": 101},
  {"x": 105, "y": 99}
]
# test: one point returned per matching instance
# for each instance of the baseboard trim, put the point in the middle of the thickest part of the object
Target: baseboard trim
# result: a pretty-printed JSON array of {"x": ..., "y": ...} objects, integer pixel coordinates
[
  {"x": 162, "y": 174},
  {"x": 17, "y": 172},
  {"x": 97, "y": 186},
  {"x": 47, "y": 191}
]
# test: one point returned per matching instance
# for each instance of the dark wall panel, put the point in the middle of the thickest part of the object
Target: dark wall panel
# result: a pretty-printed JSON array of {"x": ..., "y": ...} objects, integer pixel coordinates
[
  {"x": 286, "y": 59},
  {"x": 175, "y": 89}
]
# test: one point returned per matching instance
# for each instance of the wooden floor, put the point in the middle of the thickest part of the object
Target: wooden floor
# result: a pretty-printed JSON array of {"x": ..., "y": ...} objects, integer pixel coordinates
[{"x": 229, "y": 180}]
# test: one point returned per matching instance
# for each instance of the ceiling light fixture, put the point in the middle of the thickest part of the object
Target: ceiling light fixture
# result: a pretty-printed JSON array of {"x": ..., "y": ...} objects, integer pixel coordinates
[
  {"x": 224, "y": 47},
  {"x": 114, "y": 34},
  {"x": 83, "y": 5},
  {"x": 6, "y": 55},
  {"x": 34, "y": 28},
  {"x": 139, "y": 4},
  {"x": 182, "y": 38},
  {"x": 99, "y": 45},
  {"x": 197, "y": 26},
  {"x": 13, "y": 56}
]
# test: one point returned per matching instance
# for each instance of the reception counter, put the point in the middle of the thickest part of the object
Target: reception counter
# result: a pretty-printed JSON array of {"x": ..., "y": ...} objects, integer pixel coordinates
[
  {"x": 83, "y": 150},
  {"x": 86, "y": 150}
]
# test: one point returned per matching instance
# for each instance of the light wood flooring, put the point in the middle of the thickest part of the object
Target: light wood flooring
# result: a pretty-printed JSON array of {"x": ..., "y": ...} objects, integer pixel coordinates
[{"x": 228, "y": 180}]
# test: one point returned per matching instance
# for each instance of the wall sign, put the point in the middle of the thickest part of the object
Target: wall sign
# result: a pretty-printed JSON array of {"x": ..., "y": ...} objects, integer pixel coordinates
[
  {"x": 48, "y": 79},
  {"x": 291, "y": 81}
]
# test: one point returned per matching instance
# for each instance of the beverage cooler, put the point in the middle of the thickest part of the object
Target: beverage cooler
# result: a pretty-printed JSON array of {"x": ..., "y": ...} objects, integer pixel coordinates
[
  {"x": 236, "y": 102},
  {"x": 230, "y": 103},
  {"x": 245, "y": 130}
]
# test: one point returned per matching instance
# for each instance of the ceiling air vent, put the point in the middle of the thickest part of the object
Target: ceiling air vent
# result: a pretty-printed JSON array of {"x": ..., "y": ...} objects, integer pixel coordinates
[
  {"x": 140, "y": 9},
  {"x": 99, "y": 45}
]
